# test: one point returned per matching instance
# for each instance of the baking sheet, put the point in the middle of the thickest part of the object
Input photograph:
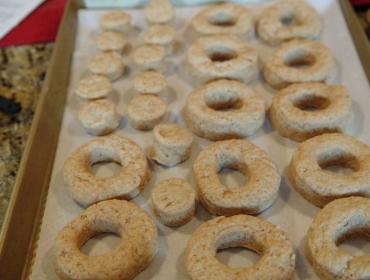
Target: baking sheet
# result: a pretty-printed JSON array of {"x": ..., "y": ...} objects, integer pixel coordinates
[{"x": 290, "y": 211}]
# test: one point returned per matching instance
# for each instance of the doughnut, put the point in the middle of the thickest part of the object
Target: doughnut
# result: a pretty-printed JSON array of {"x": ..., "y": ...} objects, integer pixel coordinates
[
  {"x": 173, "y": 202},
  {"x": 161, "y": 35},
  {"x": 221, "y": 56},
  {"x": 109, "y": 64},
  {"x": 298, "y": 61},
  {"x": 116, "y": 21},
  {"x": 93, "y": 87},
  {"x": 159, "y": 11},
  {"x": 224, "y": 109},
  {"x": 86, "y": 188},
  {"x": 172, "y": 144},
  {"x": 289, "y": 19},
  {"x": 255, "y": 196},
  {"x": 338, "y": 221},
  {"x": 309, "y": 174},
  {"x": 150, "y": 81},
  {"x": 146, "y": 111},
  {"x": 149, "y": 57},
  {"x": 132, "y": 255},
  {"x": 225, "y": 18},
  {"x": 301, "y": 111},
  {"x": 277, "y": 261},
  {"x": 111, "y": 41},
  {"x": 99, "y": 117}
]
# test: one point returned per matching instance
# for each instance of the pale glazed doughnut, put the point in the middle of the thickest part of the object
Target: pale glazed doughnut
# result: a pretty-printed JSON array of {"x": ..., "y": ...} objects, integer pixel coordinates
[
  {"x": 99, "y": 117},
  {"x": 205, "y": 116},
  {"x": 221, "y": 56},
  {"x": 146, "y": 111},
  {"x": 173, "y": 202},
  {"x": 134, "y": 253},
  {"x": 289, "y": 19},
  {"x": 277, "y": 260},
  {"x": 87, "y": 188},
  {"x": 300, "y": 61},
  {"x": 159, "y": 11},
  {"x": 150, "y": 81},
  {"x": 149, "y": 57},
  {"x": 307, "y": 172},
  {"x": 116, "y": 21},
  {"x": 291, "y": 116},
  {"x": 339, "y": 220},
  {"x": 225, "y": 18},
  {"x": 258, "y": 194},
  {"x": 111, "y": 41},
  {"x": 161, "y": 35},
  {"x": 109, "y": 64},
  {"x": 93, "y": 87},
  {"x": 172, "y": 144}
]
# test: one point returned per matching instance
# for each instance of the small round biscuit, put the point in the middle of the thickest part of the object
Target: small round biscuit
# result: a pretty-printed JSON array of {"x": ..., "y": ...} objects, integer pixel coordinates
[
  {"x": 277, "y": 261},
  {"x": 163, "y": 35},
  {"x": 173, "y": 202},
  {"x": 132, "y": 255},
  {"x": 116, "y": 21},
  {"x": 150, "y": 81},
  {"x": 109, "y": 64},
  {"x": 111, "y": 41},
  {"x": 309, "y": 174},
  {"x": 148, "y": 57},
  {"x": 94, "y": 87},
  {"x": 338, "y": 221},
  {"x": 172, "y": 144},
  {"x": 146, "y": 111},
  {"x": 99, "y": 117},
  {"x": 159, "y": 11}
]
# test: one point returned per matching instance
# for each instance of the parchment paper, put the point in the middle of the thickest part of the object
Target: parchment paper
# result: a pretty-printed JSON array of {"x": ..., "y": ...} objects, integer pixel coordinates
[{"x": 290, "y": 211}]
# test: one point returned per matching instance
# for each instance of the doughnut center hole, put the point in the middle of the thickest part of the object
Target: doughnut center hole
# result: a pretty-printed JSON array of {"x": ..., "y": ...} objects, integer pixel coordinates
[
  {"x": 288, "y": 19},
  {"x": 104, "y": 162},
  {"x": 356, "y": 244},
  {"x": 223, "y": 101},
  {"x": 222, "y": 18},
  {"x": 100, "y": 244},
  {"x": 300, "y": 59},
  {"x": 344, "y": 164},
  {"x": 221, "y": 54},
  {"x": 312, "y": 103},
  {"x": 234, "y": 176}
]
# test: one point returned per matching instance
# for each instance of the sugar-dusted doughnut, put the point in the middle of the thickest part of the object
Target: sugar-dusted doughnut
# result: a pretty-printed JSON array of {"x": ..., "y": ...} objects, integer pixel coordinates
[
  {"x": 277, "y": 260},
  {"x": 149, "y": 57},
  {"x": 116, "y": 21},
  {"x": 258, "y": 194},
  {"x": 337, "y": 221},
  {"x": 150, "y": 81},
  {"x": 159, "y": 11},
  {"x": 221, "y": 56},
  {"x": 87, "y": 188},
  {"x": 162, "y": 35},
  {"x": 132, "y": 255},
  {"x": 174, "y": 201},
  {"x": 298, "y": 61},
  {"x": 93, "y": 87},
  {"x": 301, "y": 111},
  {"x": 289, "y": 19},
  {"x": 172, "y": 144},
  {"x": 111, "y": 41},
  {"x": 224, "y": 18},
  {"x": 309, "y": 175},
  {"x": 224, "y": 109},
  {"x": 109, "y": 64}
]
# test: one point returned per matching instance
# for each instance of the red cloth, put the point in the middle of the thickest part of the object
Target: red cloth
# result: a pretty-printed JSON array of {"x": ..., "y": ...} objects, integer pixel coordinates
[{"x": 38, "y": 27}]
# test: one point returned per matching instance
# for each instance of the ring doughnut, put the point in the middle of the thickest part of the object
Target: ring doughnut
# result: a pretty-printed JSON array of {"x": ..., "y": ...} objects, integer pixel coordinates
[
  {"x": 99, "y": 117},
  {"x": 162, "y": 35},
  {"x": 173, "y": 202},
  {"x": 87, "y": 188},
  {"x": 224, "y": 109},
  {"x": 93, "y": 87},
  {"x": 299, "y": 61},
  {"x": 277, "y": 260},
  {"x": 172, "y": 144},
  {"x": 221, "y": 56},
  {"x": 258, "y": 194},
  {"x": 159, "y": 11},
  {"x": 339, "y": 220},
  {"x": 135, "y": 252},
  {"x": 225, "y": 18},
  {"x": 116, "y": 21},
  {"x": 301, "y": 111},
  {"x": 111, "y": 41},
  {"x": 109, "y": 64},
  {"x": 308, "y": 170},
  {"x": 288, "y": 20},
  {"x": 149, "y": 57}
]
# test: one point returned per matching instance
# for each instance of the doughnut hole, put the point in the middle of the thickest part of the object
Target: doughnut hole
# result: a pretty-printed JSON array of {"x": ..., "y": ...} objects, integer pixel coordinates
[
  {"x": 221, "y": 54},
  {"x": 232, "y": 172},
  {"x": 353, "y": 237},
  {"x": 339, "y": 162},
  {"x": 311, "y": 102},
  {"x": 221, "y": 18},
  {"x": 299, "y": 58},
  {"x": 104, "y": 162},
  {"x": 289, "y": 19},
  {"x": 223, "y": 100}
]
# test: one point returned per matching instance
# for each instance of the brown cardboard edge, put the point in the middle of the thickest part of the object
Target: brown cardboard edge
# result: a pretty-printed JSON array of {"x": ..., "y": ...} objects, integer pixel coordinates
[{"x": 22, "y": 220}]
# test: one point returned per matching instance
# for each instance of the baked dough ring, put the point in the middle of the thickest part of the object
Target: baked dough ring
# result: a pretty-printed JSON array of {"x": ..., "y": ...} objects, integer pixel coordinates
[
  {"x": 205, "y": 116},
  {"x": 336, "y": 222},
  {"x": 291, "y": 117},
  {"x": 221, "y": 56},
  {"x": 135, "y": 252},
  {"x": 300, "y": 61},
  {"x": 319, "y": 186},
  {"x": 225, "y": 18},
  {"x": 257, "y": 195},
  {"x": 87, "y": 188},
  {"x": 277, "y": 260},
  {"x": 287, "y": 20}
]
